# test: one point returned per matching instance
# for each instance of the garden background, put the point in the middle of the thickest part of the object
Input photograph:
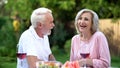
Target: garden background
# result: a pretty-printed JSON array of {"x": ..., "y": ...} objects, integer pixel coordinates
[{"x": 15, "y": 18}]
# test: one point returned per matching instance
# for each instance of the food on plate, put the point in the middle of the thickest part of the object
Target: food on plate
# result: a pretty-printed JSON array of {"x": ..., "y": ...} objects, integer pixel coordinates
[
  {"x": 50, "y": 64},
  {"x": 69, "y": 64}
]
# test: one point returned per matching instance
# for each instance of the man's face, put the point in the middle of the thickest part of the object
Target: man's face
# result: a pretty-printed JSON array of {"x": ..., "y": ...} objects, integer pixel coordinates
[{"x": 48, "y": 24}]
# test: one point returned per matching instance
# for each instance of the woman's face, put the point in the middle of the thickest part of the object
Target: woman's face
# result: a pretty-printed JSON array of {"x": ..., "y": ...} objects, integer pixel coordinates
[{"x": 84, "y": 22}]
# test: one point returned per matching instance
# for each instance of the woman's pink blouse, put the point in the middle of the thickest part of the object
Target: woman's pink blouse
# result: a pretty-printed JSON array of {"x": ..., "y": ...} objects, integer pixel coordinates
[{"x": 98, "y": 47}]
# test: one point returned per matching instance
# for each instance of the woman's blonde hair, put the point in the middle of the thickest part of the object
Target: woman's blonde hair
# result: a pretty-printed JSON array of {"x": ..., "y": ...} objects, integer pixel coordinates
[{"x": 95, "y": 20}]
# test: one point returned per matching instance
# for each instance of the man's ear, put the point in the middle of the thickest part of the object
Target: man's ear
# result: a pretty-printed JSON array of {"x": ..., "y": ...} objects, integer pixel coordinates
[{"x": 39, "y": 25}]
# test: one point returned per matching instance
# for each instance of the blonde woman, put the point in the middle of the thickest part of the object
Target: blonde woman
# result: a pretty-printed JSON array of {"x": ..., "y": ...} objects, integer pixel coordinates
[{"x": 89, "y": 47}]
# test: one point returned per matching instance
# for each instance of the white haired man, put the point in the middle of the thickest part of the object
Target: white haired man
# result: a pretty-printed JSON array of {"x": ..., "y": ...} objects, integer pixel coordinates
[{"x": 33, "y": 43}]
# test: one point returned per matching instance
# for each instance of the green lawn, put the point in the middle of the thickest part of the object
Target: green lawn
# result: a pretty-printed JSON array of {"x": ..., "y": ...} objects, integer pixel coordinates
[
  {"x": 8, "y": 65},
  {"x": 115, "y": 61},
  {"x": 7, "y": 62},
  {"x": 60, "y": 56}
]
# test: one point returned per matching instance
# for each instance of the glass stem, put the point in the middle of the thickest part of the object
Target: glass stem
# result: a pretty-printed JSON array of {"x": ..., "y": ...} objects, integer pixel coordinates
[
  {"x": 85, "y": 66},
  {"x": 21, "y": 63}
]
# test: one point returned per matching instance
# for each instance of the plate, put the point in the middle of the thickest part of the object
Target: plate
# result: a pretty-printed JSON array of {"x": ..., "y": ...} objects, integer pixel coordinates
[{"x": 48, "y": 64}]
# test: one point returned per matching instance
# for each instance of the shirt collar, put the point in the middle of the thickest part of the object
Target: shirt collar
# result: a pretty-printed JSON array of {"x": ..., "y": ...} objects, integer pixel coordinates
[{"x": 32, "y": 30}]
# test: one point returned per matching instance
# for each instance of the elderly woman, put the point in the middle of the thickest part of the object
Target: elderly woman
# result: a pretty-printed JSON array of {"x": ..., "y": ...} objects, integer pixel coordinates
[{"x": 89, "y": 47}]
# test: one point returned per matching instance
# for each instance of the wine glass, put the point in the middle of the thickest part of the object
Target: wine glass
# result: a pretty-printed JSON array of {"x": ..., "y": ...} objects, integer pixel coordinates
[
  {"x": 84, "y": 53},
  {"x": 20, "y": 55}
]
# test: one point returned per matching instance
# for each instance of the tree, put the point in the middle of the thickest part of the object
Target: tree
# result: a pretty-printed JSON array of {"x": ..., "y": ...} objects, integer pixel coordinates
[
  {"x": 64, "y": 12},
  {"x": 61, "y": 11}
]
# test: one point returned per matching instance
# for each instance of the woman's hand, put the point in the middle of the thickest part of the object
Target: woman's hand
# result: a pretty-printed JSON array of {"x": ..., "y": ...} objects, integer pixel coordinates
[
  {"x": 88, "y": 62},
  {"x": 82, "y": 62}
]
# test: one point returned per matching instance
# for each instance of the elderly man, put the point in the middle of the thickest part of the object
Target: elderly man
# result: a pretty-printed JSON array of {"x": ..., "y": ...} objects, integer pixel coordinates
[{"x": 33, "y": 44}]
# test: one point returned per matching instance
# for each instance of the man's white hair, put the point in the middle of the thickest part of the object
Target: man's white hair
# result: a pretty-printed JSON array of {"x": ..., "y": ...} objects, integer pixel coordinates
[{"x": 38, "y": 15}]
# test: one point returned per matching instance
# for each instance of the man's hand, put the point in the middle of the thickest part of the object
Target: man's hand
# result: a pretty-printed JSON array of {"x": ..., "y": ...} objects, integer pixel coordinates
[
  {"x": 32, "y": 61},
  {"x": 51, "y": 58}
]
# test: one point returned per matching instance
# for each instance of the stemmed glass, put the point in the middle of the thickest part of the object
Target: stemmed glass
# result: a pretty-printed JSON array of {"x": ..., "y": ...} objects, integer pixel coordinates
[
  {"x": 20, "y": 55},
  {"x": 84, "y": 53}
]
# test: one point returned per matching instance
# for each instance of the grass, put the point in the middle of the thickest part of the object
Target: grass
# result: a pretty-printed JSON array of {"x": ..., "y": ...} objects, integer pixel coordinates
[
  {"x": 115, "y": 61},
  {"x": 8, "y": 65},
  {"x": 64, "y": 56},
  {"x": 7, "y": 62},
  {"x": 61, "y": 55}
]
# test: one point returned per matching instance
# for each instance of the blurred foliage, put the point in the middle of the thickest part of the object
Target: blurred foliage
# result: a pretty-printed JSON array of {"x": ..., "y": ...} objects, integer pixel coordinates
[
  {"x": 64, "y": 12},
  {"x": 7, "y": 39},
  {"x": 61, "y": 11},
  {"x": 2, "y": 21}
]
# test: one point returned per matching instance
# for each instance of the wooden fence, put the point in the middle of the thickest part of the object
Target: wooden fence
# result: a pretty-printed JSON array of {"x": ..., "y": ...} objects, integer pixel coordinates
[
  {"x": 112, "y": 28},
  {"x": 110, "y": 24}
]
